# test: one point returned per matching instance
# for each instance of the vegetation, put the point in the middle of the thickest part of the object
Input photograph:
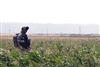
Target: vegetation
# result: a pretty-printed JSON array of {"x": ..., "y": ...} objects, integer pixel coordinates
[{"x": 59, "y": 52}]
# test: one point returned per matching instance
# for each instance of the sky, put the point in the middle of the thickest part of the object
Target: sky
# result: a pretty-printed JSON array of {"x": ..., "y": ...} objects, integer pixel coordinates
[{"x": 50, "y": 11}]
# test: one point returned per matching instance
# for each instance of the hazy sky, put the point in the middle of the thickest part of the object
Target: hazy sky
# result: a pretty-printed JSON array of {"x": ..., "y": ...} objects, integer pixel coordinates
[{"x": 50, "y": 11}]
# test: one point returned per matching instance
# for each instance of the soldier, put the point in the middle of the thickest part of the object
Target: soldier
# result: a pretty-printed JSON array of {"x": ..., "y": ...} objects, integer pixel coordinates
[{"x": 22, "y": 38}]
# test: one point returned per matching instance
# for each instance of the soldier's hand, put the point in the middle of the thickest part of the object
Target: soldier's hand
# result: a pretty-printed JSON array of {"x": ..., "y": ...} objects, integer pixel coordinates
[{"x": 22, "y": 41}]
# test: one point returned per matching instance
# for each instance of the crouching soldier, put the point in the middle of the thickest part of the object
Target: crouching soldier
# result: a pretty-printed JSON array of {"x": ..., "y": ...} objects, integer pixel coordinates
[{"x": 22, "y": 39}]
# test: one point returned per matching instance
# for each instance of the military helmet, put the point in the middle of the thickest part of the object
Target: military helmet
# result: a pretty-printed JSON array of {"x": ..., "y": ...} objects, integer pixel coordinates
[{"x": 25, "y": 28}]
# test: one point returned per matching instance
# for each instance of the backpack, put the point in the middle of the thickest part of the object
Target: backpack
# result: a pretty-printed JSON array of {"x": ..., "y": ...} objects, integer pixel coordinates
[{"x": 15, "y": 40}]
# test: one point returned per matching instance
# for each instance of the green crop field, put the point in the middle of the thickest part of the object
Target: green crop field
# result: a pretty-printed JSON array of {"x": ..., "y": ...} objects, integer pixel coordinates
[{"x": 52, "y": 52}]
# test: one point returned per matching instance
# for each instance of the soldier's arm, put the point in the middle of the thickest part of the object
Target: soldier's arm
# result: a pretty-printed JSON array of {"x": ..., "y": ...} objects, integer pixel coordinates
[{"x": 20, "y": 39}]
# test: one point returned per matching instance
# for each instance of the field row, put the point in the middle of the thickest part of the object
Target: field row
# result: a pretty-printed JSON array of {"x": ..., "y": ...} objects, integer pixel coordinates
[{"x": 52, "y": 52}]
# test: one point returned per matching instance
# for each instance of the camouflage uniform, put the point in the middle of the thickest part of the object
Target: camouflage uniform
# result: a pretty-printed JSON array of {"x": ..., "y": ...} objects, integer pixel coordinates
[{"x": 23, "y": 40}]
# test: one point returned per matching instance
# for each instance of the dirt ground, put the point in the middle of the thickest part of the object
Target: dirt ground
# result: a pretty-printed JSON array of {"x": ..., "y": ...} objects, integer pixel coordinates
[{"x": 52, "y": 37}]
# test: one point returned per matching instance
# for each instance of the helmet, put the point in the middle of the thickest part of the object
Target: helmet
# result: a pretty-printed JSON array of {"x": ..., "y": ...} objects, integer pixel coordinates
[{"x": 25, "y": 28}]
